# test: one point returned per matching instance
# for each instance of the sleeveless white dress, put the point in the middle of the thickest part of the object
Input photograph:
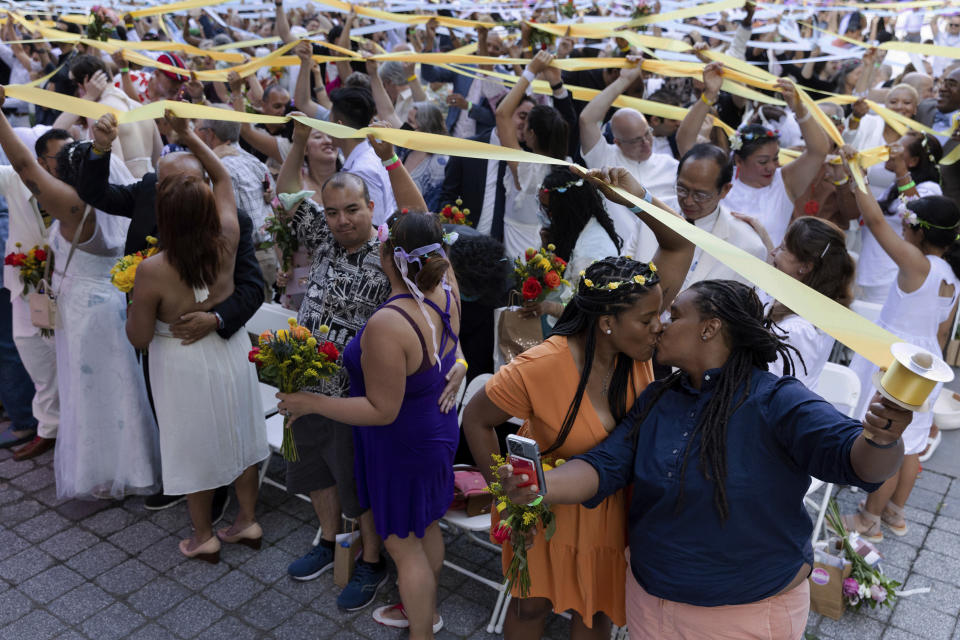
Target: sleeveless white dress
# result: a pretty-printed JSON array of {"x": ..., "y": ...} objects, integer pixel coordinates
[
  {"x": 207, "y": 399},
  {"x": 771, "y": 205},
  {"x": 107, "y": 442},
  {"x": 914, "y": 317}
]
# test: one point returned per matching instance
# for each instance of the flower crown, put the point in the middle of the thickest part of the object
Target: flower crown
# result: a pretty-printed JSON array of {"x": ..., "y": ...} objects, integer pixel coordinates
[
  {"x": 563, "y": 188},
  {"x": 636, "y": 280},
  {"x": 914, "y": 221},
  {"x": 736, "y": 140}
]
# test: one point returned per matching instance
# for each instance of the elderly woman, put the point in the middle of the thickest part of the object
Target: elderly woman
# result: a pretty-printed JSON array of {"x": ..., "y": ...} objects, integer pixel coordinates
[{"x": 720, "y": 454}]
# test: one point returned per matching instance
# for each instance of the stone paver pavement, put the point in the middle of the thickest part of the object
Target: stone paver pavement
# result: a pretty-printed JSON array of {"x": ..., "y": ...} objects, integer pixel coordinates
[{"x": 110, "y": 570}]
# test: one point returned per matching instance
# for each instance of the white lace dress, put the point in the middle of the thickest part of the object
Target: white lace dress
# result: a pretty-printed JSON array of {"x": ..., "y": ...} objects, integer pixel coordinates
[
  {"x": 208, "y": 407},
  {"x": 107, "y": 442}
]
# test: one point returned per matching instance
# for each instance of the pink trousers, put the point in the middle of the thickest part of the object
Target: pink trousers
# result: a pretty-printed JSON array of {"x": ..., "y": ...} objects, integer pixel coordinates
[{"x": 779, "y": 617}]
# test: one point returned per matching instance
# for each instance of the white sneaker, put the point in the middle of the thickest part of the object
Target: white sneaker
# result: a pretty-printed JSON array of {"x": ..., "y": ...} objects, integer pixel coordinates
[{"x": 399, "y": 623}]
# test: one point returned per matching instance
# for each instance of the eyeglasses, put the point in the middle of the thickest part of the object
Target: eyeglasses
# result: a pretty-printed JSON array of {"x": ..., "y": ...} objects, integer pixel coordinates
[
  {"x": 698, "y": 196},
  {"x": 647, "y": 137},
  {"x": 954, "y": 25}
]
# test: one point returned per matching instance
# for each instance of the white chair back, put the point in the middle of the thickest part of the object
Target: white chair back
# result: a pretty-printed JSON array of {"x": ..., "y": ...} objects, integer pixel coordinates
[
  {"x": 839, "y": 386},
  {"x": 269, "y": 317},
  {"x": 869, "y": 310},
  {"x": 475, "y": 385}
]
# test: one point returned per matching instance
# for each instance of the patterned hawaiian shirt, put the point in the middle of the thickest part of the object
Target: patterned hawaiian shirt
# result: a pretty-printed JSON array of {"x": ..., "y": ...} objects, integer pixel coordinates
[{"x": 344, "y": 289}]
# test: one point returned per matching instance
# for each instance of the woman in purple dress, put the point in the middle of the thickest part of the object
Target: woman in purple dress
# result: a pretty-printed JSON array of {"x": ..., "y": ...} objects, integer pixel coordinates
[{"x": 405, "y": 442}]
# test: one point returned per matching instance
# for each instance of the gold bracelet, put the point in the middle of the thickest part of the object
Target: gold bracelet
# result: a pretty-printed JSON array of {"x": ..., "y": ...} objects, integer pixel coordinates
[{"x": 466, "y": 367}]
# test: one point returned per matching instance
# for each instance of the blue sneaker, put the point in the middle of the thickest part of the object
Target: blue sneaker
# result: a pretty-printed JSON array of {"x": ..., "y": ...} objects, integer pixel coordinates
[
  {"x": 310, "y": 566},
  {"x": 363, "y": 586}
]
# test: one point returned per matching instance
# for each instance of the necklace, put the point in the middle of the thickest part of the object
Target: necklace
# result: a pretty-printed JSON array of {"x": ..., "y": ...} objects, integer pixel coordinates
[{"x": 606, "y": 378}]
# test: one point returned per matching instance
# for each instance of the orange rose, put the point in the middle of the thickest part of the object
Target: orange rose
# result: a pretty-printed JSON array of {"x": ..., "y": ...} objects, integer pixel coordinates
[
  {"x": 552, "y": 279},
  {"x": 300, "y": 333}
]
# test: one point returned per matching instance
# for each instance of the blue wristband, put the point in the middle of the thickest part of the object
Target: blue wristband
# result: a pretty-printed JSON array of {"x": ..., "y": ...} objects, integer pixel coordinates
[{"x": 647, "y": 197}]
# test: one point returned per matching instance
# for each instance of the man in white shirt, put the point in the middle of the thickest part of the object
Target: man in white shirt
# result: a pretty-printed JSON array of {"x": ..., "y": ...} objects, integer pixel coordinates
[
  {"x": 632, "y": 149},
  {"x": 29, "y": 228},
  {"x": 949, "y": 38},
  {"x": 354, "y": 107},
  {"x": 704, "y": 179}
]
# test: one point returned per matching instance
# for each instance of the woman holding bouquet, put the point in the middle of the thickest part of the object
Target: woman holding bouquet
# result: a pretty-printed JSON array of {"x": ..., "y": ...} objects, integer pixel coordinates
[
  {"x": 599, "y": 355},
  {"x": 405, "y": 442},
  {"x": 107, "y": 444},
  {"x": 720, "y": 455},
  {"x": 205, "y": 393}
]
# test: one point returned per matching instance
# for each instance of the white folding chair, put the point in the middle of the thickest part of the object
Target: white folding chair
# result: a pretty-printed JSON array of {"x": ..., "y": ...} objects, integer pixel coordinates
[{"x": 839, "y": 386}]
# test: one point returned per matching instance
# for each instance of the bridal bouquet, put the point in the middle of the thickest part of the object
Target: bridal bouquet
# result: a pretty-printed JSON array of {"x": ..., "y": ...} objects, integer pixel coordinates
[
  {"x": 453, "y": 214},
  {"x": 124, "y": 272},
  {"x": 103, "y": 22},
  {"x": 292, "y": 360},
  {"x": 538, "y": 273},
  {"x": 282, "y": 236},
  {"x": 31, "y": 264},
  {"x": 516, "y": 521},
  {"x": 866, "y": 584}
]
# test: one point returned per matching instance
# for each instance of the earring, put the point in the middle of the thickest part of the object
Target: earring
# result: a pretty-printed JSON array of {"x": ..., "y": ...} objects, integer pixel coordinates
[
  {"x": 703, "y": 337},
  {"x": 609, "y": 331}
]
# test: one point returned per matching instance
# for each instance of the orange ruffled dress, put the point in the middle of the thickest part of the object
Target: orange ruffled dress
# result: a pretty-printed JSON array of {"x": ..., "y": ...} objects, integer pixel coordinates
[{"x": 583, "y": 566}]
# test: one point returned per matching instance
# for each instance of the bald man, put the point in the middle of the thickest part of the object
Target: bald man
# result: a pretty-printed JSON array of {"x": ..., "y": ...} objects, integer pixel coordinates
[
  {"x": 632, "y": 149},
  {"x": 137, "y": 201},
  {"x": 921, "y": 82}
]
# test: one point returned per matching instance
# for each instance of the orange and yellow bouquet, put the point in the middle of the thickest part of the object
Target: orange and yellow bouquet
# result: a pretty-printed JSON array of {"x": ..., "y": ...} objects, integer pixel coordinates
[
  {"x": 538, "y": 273},
  {"x": 123, "y": 274},
  {"x": 291, "y": 360},
  {"x": 453, "y": 214}
]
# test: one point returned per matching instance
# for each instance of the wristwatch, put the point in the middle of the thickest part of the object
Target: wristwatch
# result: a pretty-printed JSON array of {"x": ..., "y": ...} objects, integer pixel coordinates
[{"x": 219, "y": 320}]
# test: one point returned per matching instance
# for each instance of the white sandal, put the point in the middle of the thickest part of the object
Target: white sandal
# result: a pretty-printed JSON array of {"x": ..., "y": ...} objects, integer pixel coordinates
[
  {"x": 932, "y": 444},
  {"x": 400, "y": 623}
]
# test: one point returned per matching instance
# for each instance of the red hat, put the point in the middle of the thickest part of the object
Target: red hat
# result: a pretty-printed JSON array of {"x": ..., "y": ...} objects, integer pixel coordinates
[{"x": 174, "y": 61}]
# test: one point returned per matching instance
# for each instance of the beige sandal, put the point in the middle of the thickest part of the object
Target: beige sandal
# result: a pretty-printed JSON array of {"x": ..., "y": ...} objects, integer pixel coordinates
[{"x": 866, "y": 524}]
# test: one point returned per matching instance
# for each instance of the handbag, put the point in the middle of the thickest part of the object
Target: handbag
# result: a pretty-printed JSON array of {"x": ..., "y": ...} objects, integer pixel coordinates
[
  {"x": 515, "y": 333},
  {"x": 43, "y": 301},
  {"x": 470, "y": 492}
]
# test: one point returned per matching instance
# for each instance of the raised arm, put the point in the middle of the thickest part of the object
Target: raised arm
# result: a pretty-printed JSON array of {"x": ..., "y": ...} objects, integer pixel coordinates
[
  {"x": 289, "y": 180},
  {"x": 56, "y": 197},
  {"x": 800, "y": 174},
  {"x": 505, "y": 129},
  {"x": 343, "y": 67},
  {"x": 591, "y": 118},
  {"x": 302, "y": 99},
  {"x": 692, "y": 123},
  {"x": 259, "y": 139},
  {"x": 281, "y": 24},
  {"x": 674, "y": 253},
  {"x": 405, "y": 190},
  {"x": 385, "y": 109},
  {"x": 222, "y": 184}
]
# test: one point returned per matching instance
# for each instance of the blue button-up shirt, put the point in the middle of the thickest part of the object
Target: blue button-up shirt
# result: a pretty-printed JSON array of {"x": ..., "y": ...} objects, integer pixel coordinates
[{"x": 781, "y": 435}]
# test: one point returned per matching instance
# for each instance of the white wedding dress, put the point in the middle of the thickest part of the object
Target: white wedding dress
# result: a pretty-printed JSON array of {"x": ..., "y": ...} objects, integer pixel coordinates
[{"x": 107, "y": 442}]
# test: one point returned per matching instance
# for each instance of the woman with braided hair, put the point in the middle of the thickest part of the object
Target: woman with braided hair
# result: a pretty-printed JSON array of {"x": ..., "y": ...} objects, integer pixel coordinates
[
  {"x": 720, "y": 455},
  {"x": 572, "y": 390}
]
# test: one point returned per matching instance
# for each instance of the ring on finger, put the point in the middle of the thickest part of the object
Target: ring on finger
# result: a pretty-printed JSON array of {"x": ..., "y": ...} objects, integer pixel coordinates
[{"x": 887, "y": 426}]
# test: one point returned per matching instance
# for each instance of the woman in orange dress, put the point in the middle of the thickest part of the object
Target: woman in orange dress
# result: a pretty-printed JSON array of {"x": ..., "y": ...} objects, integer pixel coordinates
[{"x": 571, "y": 391}]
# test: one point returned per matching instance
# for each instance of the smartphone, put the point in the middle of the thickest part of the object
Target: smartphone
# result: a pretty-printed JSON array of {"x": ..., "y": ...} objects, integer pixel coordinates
[{"x": 523, "y": 454}]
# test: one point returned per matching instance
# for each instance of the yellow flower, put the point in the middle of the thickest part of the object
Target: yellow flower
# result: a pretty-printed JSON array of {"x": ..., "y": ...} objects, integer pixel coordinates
[
  {"x": 282, "y": 335},
  {"x": 560, "y": 461},
  {"x": 582, "y": 273},
  {"x": 653, "y": 267},
  {"x": 551, "y": 247},
  {"x": 612, "y": 285},
  {"x": 529, "y": 517},
  {"x": 312, "y": 342},
  {"x": 292, "y": 322},
  {"x": 639, "y": 279},
  {"x": 458, "y": 201},
  {"x": 323, "y": 329},
  {"x": 151, "y": 240},
  {"x": 588, "y": 282}
]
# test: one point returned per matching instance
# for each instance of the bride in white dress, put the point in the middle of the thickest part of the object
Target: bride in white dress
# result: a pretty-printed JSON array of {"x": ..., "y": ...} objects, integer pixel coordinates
[
  {"x": 107, "y": 440},
  {"x": 205, "y": 393}
]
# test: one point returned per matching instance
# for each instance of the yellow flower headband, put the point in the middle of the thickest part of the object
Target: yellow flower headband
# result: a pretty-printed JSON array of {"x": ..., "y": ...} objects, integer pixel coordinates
[{"x": 638, "y": 279}]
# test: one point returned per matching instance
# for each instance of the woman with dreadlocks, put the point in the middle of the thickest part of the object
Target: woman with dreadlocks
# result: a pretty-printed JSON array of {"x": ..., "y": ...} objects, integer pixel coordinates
[
  {"x": 720, "y": 455},
  {"x": 598, "y": 356}
]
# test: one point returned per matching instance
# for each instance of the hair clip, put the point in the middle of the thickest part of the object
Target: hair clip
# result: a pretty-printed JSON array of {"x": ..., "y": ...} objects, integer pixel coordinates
[
  {"x": 825, "y": 249},
  {"x": 563, "y": 188},
  {"x": 383, "y": 233},
  {"x": 450, "y": 238}
]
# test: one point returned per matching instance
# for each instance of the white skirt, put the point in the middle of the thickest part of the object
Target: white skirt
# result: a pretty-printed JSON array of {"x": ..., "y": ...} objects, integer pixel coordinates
[{"x": 207, "y": 400}]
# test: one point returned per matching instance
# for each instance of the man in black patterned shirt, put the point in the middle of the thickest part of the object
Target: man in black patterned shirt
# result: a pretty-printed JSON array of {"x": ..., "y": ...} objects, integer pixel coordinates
[{"x": 346, "y": 286}]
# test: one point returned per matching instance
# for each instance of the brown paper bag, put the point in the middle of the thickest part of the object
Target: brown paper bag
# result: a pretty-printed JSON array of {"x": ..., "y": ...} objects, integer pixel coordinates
[
  {"x": 349, "y": 546},
  {"x": 516, "y": 334},
  {"x": 826, "y": 589}
]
